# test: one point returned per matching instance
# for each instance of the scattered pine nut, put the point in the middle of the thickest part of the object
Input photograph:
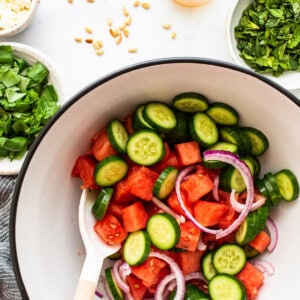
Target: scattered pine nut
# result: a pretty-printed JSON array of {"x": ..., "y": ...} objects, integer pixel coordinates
[
  {"x": 97, "y": 45},
  {"x": 125, "y": 12},
  {"x": 100, "y": 52},
  {"x": 89, "y": 41},
  {"x": 118, "y": 39},
  {"x": 88, "y": 30},
  {"x": 90, "y": 1},
  {"x": 126, "y": 32},
  {"x": 136, "y": 3},
  {"x": 109, "y": 22},
  {"x": 145, "y": 5},
  {"x": 173, "y": 35},
  {"x": 128, "y": 20},
  {"x": 132, "y": 50},
  {"x": 112, "y": 32},
  {"x": 78, "y": 39},
  {"x": 166, "y": 26},
  {"x": 70, "y": 1}
]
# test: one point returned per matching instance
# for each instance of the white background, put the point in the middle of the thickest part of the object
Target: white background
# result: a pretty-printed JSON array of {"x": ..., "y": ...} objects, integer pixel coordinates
[{"x": 200, "y": 33}]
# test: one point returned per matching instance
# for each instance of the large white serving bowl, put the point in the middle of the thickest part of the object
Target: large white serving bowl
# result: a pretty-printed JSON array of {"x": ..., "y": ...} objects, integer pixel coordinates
[
  {"x": 290, "y": 79},
  {"x": 46, "y": 246}
]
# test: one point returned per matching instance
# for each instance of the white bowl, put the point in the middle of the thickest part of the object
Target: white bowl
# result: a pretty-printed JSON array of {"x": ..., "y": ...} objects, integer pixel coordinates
[
  {"x": 290, "y": 80},
  {"x": 14, "y": 21},
  {"x": 31, "y": 55},
  {"x": 46, "y": 247}
]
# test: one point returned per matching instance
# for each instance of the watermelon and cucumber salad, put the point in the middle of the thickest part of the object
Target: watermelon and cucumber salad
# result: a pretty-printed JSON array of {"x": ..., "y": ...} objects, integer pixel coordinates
[{"x": 180, "y": 188}]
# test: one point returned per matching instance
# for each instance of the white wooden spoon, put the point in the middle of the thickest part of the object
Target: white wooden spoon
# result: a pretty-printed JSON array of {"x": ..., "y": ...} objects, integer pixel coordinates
[{"x": 96, "y": 249}]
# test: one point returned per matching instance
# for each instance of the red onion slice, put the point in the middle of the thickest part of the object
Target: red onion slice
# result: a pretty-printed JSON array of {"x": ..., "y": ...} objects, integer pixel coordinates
[
  {"x": 273, "y": 231},
  {"x": 236, "y": 162},
  {"x": 238, "y": 207},
  {"x": 215, "y": 190},
  {"x": 264, "y": 266},
  {"x": 178, "y": 275},
  {"x": 116, "y": 273},
  {"x": 167, "y": 209},
  {"x": 182, "y": 174}
]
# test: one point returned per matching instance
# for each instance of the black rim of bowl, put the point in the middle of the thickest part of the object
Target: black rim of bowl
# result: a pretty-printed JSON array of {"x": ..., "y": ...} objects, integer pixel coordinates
[{"x": 75, "y": 98}]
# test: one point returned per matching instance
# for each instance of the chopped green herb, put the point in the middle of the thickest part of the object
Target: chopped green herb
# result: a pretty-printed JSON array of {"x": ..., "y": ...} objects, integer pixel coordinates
[
  {"x": 268, "y": 36},
  {"x": 27, "y": 102}
]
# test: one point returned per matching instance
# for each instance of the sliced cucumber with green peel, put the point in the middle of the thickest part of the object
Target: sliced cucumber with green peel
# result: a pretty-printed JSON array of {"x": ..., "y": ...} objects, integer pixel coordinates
[
  {"x": 288, "y": 185},
  {"x": 250, "y": 251},
  {"x": 165, "y": 183},
  {"x": 136, "y": 247},
  {"x": 204, "y": 129},
  {"x": 102, "y": 202},
  {"x": 259, "y": 141},
  {"x": 138, "y": 121},
  {"x": 160, "y": 116},
  {"x": 214, "y": 164},
  {"x": 116, "y": 292},
  {"x": 110, "y": 170},
  {"x": 190, "y": 102},
  {"x": 207, "y": 267},
  {"x": 145, "y": 147},
  {"x": 229, "y": 259},
  {"x": 226, "y": 287},
  {"x": 118, "y": 135},
  {"x": 163, "y": 230},
  {"x": 192, "y": 292},
  {"x": 272, "y": 188},
  {"x": 223, "y": 114}
]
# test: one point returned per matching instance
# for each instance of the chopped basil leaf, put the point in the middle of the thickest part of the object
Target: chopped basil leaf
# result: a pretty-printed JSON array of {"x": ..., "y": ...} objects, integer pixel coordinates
[
  {"x": 27, "y": 102},
  {"x": 268, "y": 36}
]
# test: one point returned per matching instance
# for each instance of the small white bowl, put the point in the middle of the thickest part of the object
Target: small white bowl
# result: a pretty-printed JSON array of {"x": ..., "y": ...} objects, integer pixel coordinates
[
  {"x": 290, "y": 80},
  {"x": 15, "y": 22},
  {"x": 31, "y": 55}
]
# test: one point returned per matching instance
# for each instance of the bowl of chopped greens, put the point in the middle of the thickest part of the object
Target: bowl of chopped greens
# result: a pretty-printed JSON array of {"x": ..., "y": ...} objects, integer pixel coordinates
[
  {"x": 265, "y": 36},
  {"x": 30, "y": 94},
  {"x": 194, "y": 179}
]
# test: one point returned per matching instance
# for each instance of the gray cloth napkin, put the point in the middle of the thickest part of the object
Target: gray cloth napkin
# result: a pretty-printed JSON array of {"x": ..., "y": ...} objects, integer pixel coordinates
[{"x": 8, "y": 286}]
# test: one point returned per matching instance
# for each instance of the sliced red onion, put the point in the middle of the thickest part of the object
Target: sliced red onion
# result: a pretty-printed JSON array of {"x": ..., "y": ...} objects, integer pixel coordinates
[
  {"x": 241, "y": 166},
  {"x": 98, "y": 294},
  {"x": 201, "y": 246},
  {"x": 264, "y": 266},
  {"x": 124, "y": 270},
  {"x": 116, "y": 273},
  {"x": 238, "y": 207},
  {"x": 191, "y": 276},
  {"x": 161, "y": 290},
  {"x": 273, "y": 231},
  {"x": 178, "y": 275},
  {"x": 167, "y": 209},
  {"x": 182, "y": 174},
  {"x": 215, "y": 190}
]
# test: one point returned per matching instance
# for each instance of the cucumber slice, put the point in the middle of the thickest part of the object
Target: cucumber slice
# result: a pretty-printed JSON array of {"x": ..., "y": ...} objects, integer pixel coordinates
[
  {"x": 204, "y": 129},
  {"x": 163, "y": 230},
  {"x": 102, "y": 202},
  {"x": 288, "y": 185},
  {"x": 181, "y": 132},
  {"x": 145, "y": 147},
  {"x": 229, "y": 259},
  {"x": 248, "y": 229},
  {"x": 190, "y": 102},
  {"x": 259, "y": 141},
  {"x": 272, "y": 188},
  {"x": 250, "y": 251},
  {"x": 262, "y": 189},
  {"x": 226, "y": 287},
  {"x": 214, "y": 164},
  {"x": 136, "y": 247},
  {"x": 160, "y": 116},
  {"x": 116, "y": 292},
  {"x": 118, "y": 135},
  {"x": 192, "y": 292},
  {"x": 223, "y": 114},
  {"x": 110, "y": 170},
  {"x": 138, "y": 121},
  {"x": 254, "y": 161},
  {"x": 165, "y": 183},
  {"x": 207, "y": 267}
]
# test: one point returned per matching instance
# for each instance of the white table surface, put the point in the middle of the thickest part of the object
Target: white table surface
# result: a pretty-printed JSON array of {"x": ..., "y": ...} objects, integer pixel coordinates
[{"x": 200, "y": 33}]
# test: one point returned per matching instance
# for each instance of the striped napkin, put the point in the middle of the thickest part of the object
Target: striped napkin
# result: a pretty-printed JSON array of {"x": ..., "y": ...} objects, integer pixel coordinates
[{"x": 8, "y": 286}]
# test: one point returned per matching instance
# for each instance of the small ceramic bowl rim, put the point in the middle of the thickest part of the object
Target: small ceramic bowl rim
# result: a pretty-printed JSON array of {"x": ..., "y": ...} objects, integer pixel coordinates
[
  {"x": 81, "y": 93},
  {"x": 19, "y": 27},
  {"x": 289, "y": 83},
  {"x": 32, "y": 55}
]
